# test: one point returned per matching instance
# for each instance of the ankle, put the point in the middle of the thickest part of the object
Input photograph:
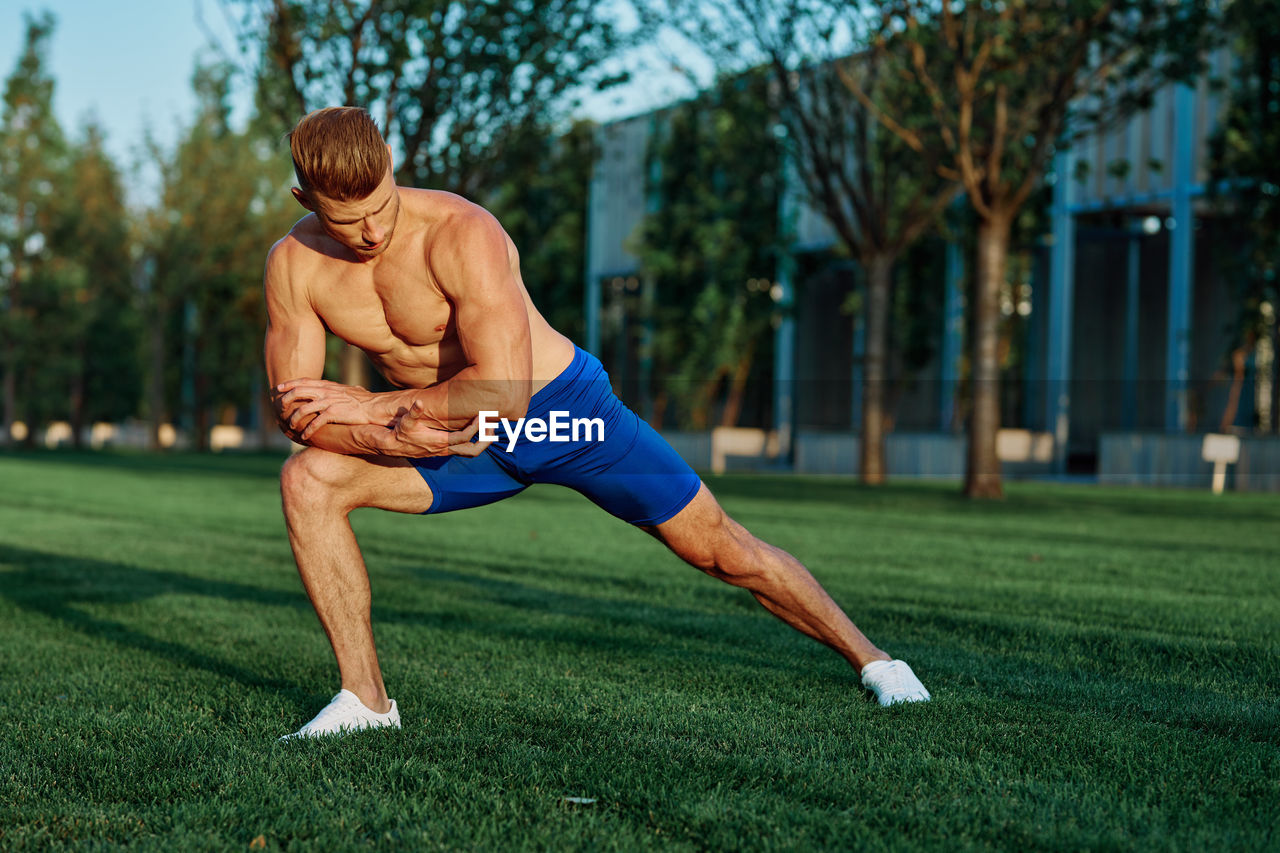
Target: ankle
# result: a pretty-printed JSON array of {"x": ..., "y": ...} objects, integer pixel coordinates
[{"x": 373, "y": 697}]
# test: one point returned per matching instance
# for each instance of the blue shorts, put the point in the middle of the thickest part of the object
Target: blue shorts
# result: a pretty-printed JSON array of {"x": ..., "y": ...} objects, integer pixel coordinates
[{"x": 631, "y": 472}]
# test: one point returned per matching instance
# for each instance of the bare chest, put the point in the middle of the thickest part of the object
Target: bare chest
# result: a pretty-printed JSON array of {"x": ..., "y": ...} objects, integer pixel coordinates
[{"x": 402, "y": 322}]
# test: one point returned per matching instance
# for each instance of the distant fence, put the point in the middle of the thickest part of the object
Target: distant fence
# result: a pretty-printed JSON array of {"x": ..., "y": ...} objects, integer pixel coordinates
[
  {"x": 934, "y": 456},
  {"x": 1159, "y": 459},
  {"x": 924, "y": 455},
  {"x": 137, "y": 435},
  {"x": 1128, "y": 459}
]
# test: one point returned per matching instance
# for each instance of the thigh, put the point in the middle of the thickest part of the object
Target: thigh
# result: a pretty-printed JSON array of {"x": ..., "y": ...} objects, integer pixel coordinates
[
  {"x": 355, "y": 481},
  {"x": 633, "y": 475},
  {"x": 700, "y": 533},
  {"x": 462, "y": 482}
]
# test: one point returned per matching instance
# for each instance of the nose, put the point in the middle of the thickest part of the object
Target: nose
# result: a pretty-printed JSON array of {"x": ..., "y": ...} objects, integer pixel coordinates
[{"x": 372, "y": 232}]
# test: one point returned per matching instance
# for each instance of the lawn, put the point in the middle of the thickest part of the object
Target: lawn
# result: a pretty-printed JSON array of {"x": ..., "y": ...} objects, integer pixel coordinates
[{"x": 1104, "y": 665}]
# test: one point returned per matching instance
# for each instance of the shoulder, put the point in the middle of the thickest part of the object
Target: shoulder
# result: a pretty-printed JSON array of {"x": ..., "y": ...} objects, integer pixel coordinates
[
  {"x": 288, "y": 249},
  {"x": 289, "y": 256},
  {"x": 462, "y": 230}
]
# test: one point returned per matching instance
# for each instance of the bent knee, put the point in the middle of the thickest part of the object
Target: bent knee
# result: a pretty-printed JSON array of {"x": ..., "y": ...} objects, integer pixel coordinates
[{"x": 310, "y": 475}]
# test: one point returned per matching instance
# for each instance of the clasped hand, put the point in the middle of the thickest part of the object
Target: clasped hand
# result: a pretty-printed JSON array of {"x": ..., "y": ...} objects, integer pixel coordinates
[
  {"x": 316, "y": 402},
  {"x": 410, "y": 433}
]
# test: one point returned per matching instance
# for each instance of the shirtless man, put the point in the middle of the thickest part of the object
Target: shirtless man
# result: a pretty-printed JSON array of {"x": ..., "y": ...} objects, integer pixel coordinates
[{"x": 428, "y": 285}]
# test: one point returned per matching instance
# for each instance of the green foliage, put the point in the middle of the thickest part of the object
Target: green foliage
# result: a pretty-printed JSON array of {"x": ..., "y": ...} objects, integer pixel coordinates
[
  {"x": 69, "y": 324},
  {"x": 451, "y": 81},
  {"x": 32, "y": 160},
  {"x": 224, "y": 202},
  {"x": 542, "y": 204},
  {"x": 710, "y": 247},
  {"x": 1002, "y": 78},
  {"x": 107, "y": 314},
  {"x": 1090, "y": 692},
  {"x": 1244, "y": 166}
]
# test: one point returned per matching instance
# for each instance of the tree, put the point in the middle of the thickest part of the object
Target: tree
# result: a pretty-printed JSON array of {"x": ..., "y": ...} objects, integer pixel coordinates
[
  {"x": 708, "y": 250},
  {"x": 879, "y": 193},
  {"x": 450, "y": 80},
  {"x": 1246, "y": 174},
  {"x": 32, "y": 174},
  {"x": 1006, "y": 82},
  {"x": 106, "y": 380},
  {"x": 542, "y": 203},
  {"x": 461, "y": 88},
  {"x": 223, "y": 202}
]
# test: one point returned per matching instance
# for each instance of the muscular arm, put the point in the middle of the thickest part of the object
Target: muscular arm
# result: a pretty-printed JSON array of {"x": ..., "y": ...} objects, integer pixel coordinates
[
  {"x": 475, "y": 272},
  {"x": 295, "y": 348},
  {"x": 469, "y": 259}
]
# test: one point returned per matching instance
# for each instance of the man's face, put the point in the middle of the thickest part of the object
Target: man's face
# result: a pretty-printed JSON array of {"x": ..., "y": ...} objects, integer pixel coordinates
[{"x": 364, "y": 226}]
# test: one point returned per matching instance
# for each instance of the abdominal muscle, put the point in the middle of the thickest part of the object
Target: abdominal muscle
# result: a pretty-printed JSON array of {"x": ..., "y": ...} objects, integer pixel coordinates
[{"x": 408, "y": 366}]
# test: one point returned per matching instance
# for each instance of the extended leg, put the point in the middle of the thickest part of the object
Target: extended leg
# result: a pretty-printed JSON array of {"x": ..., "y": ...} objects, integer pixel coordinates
[
  {"x": 708, "y": 539},
  {"x": 319, "y": 490}
]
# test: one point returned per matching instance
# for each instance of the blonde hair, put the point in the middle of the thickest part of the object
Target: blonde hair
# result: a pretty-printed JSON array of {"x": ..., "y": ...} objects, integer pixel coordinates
[{"x": 339, "y": 153}]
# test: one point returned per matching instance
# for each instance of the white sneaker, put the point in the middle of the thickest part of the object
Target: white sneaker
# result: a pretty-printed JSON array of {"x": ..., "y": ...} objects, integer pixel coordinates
[
  {"x": 346, "y": 713},
  {"x": 893, "y": 681}
]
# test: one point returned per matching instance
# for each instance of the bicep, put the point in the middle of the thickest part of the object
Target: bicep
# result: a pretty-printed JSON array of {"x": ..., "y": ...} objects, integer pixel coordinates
[
  {"x": 294, "y": 346},
  {"x": 493, "y": 321}
]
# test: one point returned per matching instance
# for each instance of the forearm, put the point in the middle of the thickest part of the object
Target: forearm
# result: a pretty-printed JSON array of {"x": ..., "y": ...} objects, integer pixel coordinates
[
  {"x": 347, "y": 439},
  {"x": 455, "y": 403}
]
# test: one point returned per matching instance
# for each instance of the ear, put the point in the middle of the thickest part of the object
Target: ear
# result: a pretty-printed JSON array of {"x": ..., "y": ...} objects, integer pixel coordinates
[
  {"x": 391, "y": 160},
  {"x": 302, "y": 198}
]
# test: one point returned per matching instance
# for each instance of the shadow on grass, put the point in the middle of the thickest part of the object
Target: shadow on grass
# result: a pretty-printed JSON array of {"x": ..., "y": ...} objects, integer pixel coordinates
[
  {"x": 53, "y": 585},
  {"x": 1013, "y": 658}
]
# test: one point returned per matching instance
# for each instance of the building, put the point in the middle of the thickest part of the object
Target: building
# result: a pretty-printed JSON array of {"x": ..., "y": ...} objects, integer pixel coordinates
[{"x": 1124, "y": 309}]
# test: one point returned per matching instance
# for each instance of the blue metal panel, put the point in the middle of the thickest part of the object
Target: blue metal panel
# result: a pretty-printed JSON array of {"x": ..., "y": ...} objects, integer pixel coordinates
[
  {"x": 1037, "y": 325},
  {"x": 858, "y": 373},
  {"x": 784, "y": 344},
  {"x": 952, "y": 335},
  {"x": 591, "y": 303},
  {"x": 1062, "y": 263},
  {"x": 1129, "y": 412},
  {"x": 1181, "y": 247}
]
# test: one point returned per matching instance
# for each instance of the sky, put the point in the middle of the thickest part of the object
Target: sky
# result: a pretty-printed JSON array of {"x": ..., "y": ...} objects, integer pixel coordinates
[{"x": 132, "y": 70}]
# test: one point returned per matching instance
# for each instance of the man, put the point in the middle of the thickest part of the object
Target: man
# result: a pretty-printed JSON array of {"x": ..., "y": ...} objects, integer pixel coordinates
[{"x": 428, "y": 285}]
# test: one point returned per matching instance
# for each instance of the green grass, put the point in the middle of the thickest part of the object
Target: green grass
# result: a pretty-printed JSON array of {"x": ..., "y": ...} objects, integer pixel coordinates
[{"x": 1104, "y": 666}]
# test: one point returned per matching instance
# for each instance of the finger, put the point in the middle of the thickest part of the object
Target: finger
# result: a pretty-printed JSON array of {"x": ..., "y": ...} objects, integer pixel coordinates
[
  {"x": 468, "y": 449},
  {"x": 305, "y": 409},
  {"x": 312, "y": 408},
  {"x": 298, "y": 424},
  {"x": 298, "y": 395},
  {"x": 317, "y": 422},
  {"x": 291, "y": 384},
  {"x": 466, "y": 433}
]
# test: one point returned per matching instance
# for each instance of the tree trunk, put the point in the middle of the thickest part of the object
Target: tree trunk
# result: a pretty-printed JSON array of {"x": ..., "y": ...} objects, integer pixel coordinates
[
  {"x": 1275, "y": 373},
  {"x": 10, "y": 391},
  {"x": 1239, "y": 356},
  {"x": 982, "y": 477},
  {"x": 76, "y": 403},
  {"x": 737, "y": 388},
  {"x": 11, "y": 356},
  {"x": 155, "y": 387},
  {"x": 200, "y": 410},
  {"x": 871, "y": 465}
]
